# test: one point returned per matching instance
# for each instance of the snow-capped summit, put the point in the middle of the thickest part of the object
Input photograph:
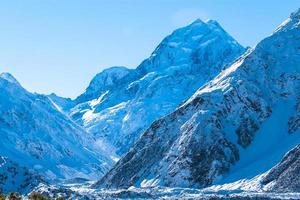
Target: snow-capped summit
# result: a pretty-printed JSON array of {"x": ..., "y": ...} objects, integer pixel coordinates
[
  {"x": 8, "y": 77},
  {"x": 190, "y": 42},
  {"x": 237, "y": 126},
  {"x": 197, "y": 21},
  {"x": 102, "y": 82},
  {"x": 215, "y": 24},
  {"x": 121, "y": 110}
]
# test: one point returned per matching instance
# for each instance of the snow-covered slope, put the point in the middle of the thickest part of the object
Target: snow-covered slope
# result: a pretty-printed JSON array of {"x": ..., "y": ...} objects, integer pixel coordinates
[
  {"x": 14, "y": 177},
  {"x": 238, "y": 125},
  {"x": 35, "y": 134},
  {"x": 75, "y": 191},
  {"x": 62, "y": 104},
  {"x": 284, "y": 177},
  {"x": 120, "y": 104},
  {"x": 102, "y": 82}
]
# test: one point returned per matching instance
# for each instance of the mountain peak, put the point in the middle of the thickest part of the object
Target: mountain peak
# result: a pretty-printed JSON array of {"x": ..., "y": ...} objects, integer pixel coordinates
[
  {"x": 109, "y": 75},
  {"x": 103, "y": 81},
  {"x": 197, "y": 22},
  {"x": 213, "y": 23},
  {"x": 114, "y": 68},
  {"x": 8, "y": 77},
  {"x": 187, "y": 43}
]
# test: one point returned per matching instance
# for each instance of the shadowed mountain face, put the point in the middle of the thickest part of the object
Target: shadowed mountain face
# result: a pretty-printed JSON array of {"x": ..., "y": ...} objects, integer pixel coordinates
[
  {"x": 236, "y": 126},
  {"x": 120, "y": 103}
]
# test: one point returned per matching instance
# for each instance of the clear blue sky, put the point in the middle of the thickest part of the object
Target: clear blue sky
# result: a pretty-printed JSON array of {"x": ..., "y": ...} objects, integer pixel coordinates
[{"x": 59, "y": 45}]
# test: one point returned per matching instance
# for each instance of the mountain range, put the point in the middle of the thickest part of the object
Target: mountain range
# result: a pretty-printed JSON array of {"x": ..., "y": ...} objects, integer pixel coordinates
[
  {"x": 120, "y": 103},
  {"x": 236, "y": 126},
  {"x": 37, "y": 136},
  {"x": 202, "y": 112}
]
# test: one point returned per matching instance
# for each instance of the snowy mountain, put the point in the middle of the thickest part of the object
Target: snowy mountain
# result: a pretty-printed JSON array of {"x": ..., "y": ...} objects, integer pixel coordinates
[
  {"x": 102, "y": 82},
  {"x": 14, "y": 177},
  {"x": 237, "y": 126},
  {"x": 284, "y": 177},
  {"x": 120, "y": 103},
  {"x": 36, "y": 135},
  {"x": 63, "y": 104}
]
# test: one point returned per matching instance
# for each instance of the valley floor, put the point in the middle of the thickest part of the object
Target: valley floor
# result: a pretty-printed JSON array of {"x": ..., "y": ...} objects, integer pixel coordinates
[{"x": 84, "y": 191}]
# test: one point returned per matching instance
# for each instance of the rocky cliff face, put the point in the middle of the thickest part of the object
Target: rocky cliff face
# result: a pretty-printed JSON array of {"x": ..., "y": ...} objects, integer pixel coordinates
[
  {"x": 230, "y": 123},
  {"x": 182, "y": 63}
]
